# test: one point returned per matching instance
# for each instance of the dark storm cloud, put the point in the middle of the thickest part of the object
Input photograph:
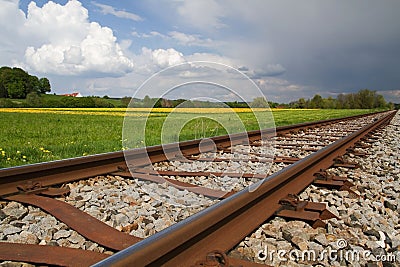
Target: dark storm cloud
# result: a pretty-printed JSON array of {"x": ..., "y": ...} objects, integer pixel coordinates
[{"x": 330, "y": 45}]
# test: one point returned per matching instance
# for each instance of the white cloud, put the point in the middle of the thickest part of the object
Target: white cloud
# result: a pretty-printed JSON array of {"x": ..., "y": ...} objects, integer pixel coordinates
[
  {"x": 135, "y": 34},
  {"x": 180, "y": 38},
  {"x": 190, "y": 39},
  {"x": 213, "y": 58},
  {"x": 73, "y": 55},
  {"x": 150, "y": 61},
  {"x": 148, "y": 35},
  {"x": 167, "y": 57},
  {"x": 56, "y": 24},
  {"x": 65, "y": 42},
  {"x": 10, "y": 15},
  {"x": 154, "y": 33},
  {"x": 11, "y": 20},
  {"x": 106, "y": 9}
]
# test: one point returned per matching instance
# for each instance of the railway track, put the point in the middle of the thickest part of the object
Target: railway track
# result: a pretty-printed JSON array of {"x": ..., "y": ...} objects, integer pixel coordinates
[{"x": 182, "y": 185}]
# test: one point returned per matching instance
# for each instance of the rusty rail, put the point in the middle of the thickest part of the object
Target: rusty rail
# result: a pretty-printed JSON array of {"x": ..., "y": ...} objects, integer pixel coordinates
[{"x": 225, "y": 224}]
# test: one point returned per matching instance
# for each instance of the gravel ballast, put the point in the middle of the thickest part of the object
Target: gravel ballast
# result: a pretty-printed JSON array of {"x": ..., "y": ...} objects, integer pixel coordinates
[{"x": 367, "y": 232}]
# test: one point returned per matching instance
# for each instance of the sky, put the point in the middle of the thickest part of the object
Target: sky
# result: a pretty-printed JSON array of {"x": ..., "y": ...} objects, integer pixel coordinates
[{"x": 289, "y": 49}]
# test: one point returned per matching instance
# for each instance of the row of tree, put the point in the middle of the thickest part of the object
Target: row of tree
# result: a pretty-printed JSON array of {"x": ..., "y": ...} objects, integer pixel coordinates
[
  {"x": 34, "y": 100},
  {"x": 148, "y": 102},
  {"x": 363, "y": 99},
  {"x": 17, "y": 83}
]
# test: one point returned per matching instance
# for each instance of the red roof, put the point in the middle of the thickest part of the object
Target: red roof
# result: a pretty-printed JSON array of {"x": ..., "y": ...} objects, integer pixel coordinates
[{"x": 73, "y": 94}]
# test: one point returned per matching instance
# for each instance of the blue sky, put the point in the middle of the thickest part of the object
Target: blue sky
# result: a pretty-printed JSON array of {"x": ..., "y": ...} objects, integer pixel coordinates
[{"x": 290, "y": 49}]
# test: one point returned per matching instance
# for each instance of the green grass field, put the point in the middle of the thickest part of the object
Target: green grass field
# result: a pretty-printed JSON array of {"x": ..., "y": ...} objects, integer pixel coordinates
[{"x": 27, "y": 138}]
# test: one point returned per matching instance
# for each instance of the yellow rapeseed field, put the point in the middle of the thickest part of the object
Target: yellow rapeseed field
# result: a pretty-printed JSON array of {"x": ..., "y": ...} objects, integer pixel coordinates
[{"x": 131, "y": 111}]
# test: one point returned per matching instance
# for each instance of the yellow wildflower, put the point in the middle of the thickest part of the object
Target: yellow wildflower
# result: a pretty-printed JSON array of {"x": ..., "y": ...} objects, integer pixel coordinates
[{"x": 136, "y": 112}]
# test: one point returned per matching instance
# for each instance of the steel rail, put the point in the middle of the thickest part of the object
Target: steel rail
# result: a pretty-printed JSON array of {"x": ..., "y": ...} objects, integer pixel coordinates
[
  {"x": 60, "y": 256},
  {"x": 223, "y": 225},
  {"x": 73, "y": 169}
]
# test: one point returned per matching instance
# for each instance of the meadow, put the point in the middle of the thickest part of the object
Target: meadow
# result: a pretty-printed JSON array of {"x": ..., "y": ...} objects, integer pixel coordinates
[{"x": 29, "y": 135}]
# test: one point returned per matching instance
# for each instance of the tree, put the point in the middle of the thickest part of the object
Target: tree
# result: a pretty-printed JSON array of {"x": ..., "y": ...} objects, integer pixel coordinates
[
  {"x": 34, "y": 85},
  {"x": 102, "y": 103},
  {"x": 33, "y": 99},
  {"x": 166, "y": 103},
  {"x": 177, "y": 102},
  {"x": 44, "y": 85},
  {"x": 52, "y": 103},
  {"x": 147, "y": 102},
  {"x": 380, "y": 102},
  {"x": 350, "y": 102},
  {"x": 16, "y": 89},
  {"x": 365, "y": 98},
  {"x": 186, "y": 104},
  {"x": 329, "y": 102},
  {"x": 20, "y": 83},
  {"x": 84, "y": 102},
  {"x": 340, "y": 101},
  {"x": 157, "y": 102},
  {"x": 126, "y": 100},
  {"x": 301, "y": 103},
  {"x": 259, "y": 102},
  {"x": 316, "y": 101},
  {"x": 3, "y": 91}
]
